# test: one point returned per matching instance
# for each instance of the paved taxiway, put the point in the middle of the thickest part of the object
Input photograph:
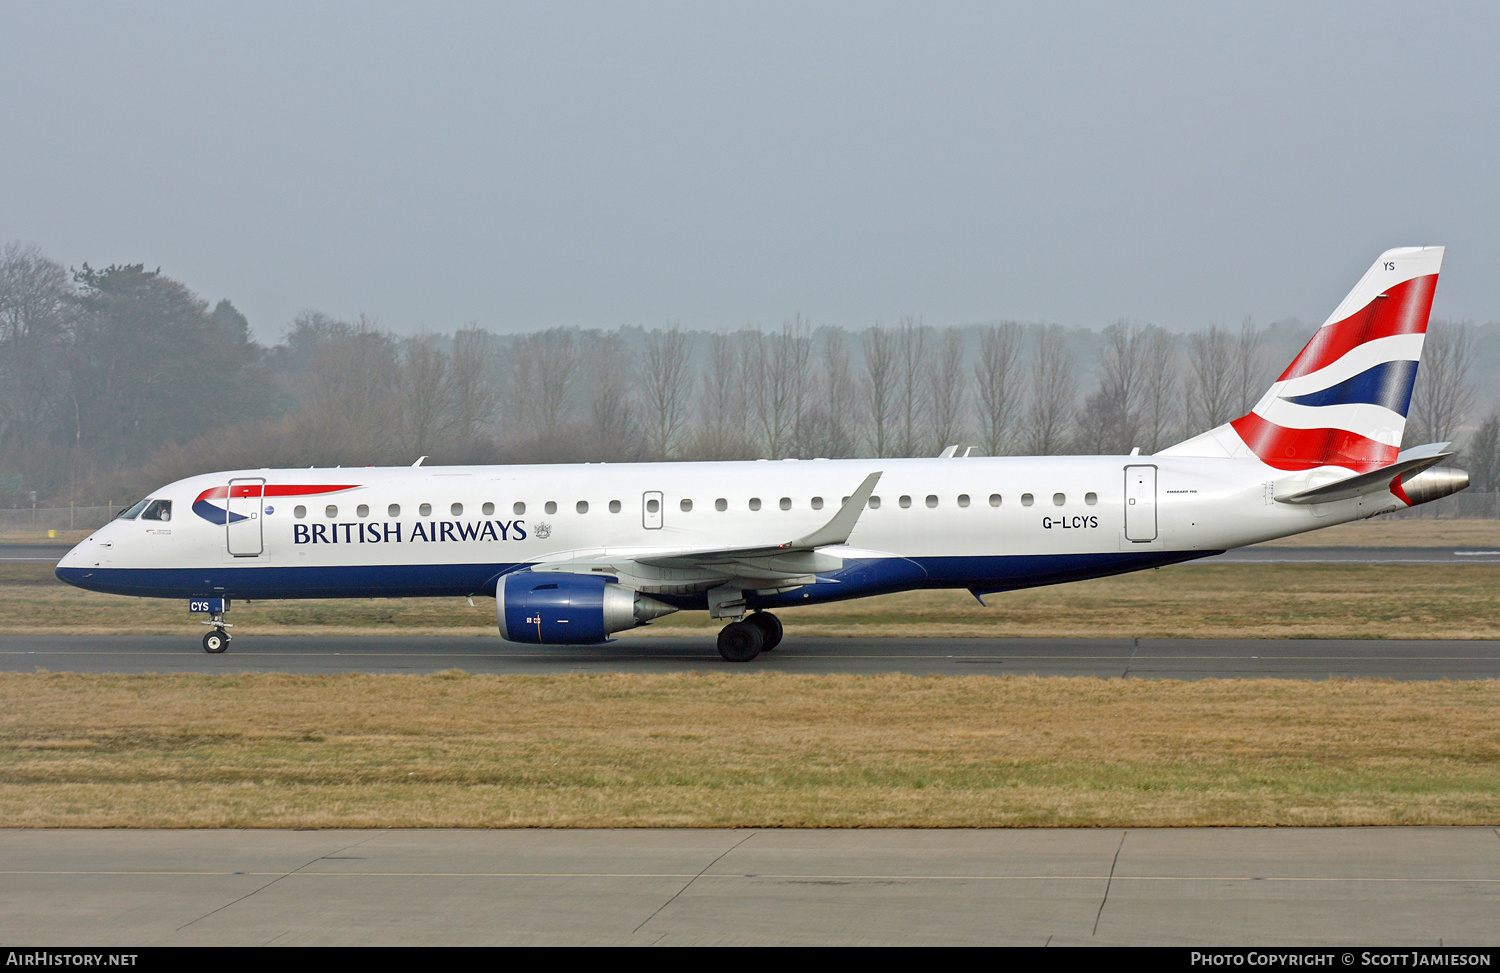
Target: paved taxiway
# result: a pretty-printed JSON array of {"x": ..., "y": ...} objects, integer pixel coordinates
[
  {"x": 1221, "y": 886},
  {"x": 1104, "y": 658}
]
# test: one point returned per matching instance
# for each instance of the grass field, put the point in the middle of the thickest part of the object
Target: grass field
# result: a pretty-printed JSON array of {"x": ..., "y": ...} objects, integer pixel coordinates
[
  {"x": 762, "y": 750},
  {"x": 1189, "y": 601}
]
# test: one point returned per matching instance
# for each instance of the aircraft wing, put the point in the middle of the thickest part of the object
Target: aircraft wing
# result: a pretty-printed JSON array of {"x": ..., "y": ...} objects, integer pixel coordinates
[{"x": 787, "y": 564}]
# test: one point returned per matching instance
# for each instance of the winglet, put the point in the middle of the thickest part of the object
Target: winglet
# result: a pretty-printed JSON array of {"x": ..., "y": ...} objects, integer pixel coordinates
[{"x": 837, "y": 530}]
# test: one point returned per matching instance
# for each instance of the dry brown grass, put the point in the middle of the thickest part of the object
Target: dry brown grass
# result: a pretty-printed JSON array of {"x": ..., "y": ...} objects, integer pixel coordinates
[
  {"x": 1382, "y": 532},
  {"x": 1192, "y": 600},
  {"x": 761, "y": 750}
]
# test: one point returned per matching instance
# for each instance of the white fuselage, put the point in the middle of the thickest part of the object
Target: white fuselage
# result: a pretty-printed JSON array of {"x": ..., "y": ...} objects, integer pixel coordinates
[{"x": 986, "y": 524}]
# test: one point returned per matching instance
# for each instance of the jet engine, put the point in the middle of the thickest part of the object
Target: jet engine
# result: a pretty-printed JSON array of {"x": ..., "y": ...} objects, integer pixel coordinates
[
  {"x": 1433, "y": 483},
  {"x": 556, "y": 608}
]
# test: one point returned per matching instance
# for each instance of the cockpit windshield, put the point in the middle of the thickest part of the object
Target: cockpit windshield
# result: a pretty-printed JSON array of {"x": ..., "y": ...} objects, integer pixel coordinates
[
  {"x": 134, "y": 511},
  {"x": 158, "y": 510}
]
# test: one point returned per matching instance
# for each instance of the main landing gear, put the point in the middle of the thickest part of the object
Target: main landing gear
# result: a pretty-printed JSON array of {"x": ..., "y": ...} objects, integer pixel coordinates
[{"x": 744, "y": 640}]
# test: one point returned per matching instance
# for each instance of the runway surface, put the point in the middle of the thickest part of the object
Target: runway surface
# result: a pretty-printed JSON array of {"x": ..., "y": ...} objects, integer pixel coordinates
[
  {"x": 1104, "y": 658},
  {"x": 1221, "y": 886}
]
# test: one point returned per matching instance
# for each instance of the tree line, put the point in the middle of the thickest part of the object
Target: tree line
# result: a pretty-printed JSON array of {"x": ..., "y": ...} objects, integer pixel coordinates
[{"x": 115, "y": 380}]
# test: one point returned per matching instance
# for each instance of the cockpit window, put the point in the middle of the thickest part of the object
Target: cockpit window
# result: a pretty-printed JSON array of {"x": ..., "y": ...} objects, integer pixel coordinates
[
  {"x": 158, "y": 510},
  {"x": 134, "y": 511}
]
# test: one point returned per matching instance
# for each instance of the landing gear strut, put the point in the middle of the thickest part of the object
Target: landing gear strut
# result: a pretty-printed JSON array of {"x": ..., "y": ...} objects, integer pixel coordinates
[{"x": 743, "y": 641}]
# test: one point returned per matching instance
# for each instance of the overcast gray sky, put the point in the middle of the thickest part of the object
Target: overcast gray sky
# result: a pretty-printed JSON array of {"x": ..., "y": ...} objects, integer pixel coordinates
[{"x": 530, "y": 165}]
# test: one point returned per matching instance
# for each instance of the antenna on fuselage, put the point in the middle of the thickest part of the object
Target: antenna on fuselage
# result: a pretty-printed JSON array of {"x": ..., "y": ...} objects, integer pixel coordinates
[{"x": 419, "y": 461}]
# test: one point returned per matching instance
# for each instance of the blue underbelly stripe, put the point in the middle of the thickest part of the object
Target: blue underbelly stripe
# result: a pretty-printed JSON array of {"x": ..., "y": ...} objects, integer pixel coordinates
[{"x": 857, "y": 579}]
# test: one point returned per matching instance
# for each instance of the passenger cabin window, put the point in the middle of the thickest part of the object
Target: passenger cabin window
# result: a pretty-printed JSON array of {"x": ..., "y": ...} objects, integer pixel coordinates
[
  {"x": 157, "y": 510},
  {"x": 614, "y": 506},
  {"x": 299, "y": 511},
  {"x": 457, "y": 510},
  {"x": 963, "y": 499},
  {"x": 874, "y": 503},
  {"x": 394, "y": 510},
  {"x": 905, "y": 501},
  {"x": 755, "y": 503},
  {"x": 786, "y": 503},
  {"x": 721, "y": 505},
  {"x": 363, "y": 510},
  {"x": 1059, "y": 499},
  {"x": 1027, "y": 500},
  {"x": 817, "y": 503},
  {"x": 653, "y": 505},
  {"x": 134, "y": 511},
  {"x": 518, "y": 508},
  {"x": 425, "y": 510},
  {"x": 994, "y": 500},
  {"x": 931, "y": 500},
  {"x": 551, "y": 507},
  {"x": 686, "y": 505},
  {"x": 1091, "y": 498},
  {"x": 582, "y": 506},
  {"x": 330, "y": 511},
  {"x": 488, "y": 509}
]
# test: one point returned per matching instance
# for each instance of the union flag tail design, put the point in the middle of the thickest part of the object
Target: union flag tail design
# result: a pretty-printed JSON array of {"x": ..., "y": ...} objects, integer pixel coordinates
[{"x": 1343, "y": 400}]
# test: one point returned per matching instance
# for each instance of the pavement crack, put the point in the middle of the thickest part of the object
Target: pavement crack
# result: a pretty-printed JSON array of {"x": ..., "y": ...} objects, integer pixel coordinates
[
  {"x": 278, "y": 878},
  {"x": 692, "y": 880},
  {"x": 1135, "y": 646},
  {"x": 1108, "y": 882}
]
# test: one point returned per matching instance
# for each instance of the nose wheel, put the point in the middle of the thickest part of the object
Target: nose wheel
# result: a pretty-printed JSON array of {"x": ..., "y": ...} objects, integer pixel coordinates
[{"x": 216, "y": 641}]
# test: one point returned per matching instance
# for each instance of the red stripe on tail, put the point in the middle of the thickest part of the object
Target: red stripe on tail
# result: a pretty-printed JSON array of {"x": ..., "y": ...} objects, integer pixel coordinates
[
  {"x": 1401, "y": 310},
  {"x": 1302, "y": 449}
]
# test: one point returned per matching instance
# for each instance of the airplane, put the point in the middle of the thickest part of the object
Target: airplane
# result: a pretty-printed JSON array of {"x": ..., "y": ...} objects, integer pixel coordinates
[{"x": 573, "y": 554}]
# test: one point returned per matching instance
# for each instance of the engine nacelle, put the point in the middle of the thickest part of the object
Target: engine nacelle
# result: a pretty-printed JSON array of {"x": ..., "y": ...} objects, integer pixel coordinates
[
  {"x": 1433, "y": 483},
  {"x": 579, "y": 609}
]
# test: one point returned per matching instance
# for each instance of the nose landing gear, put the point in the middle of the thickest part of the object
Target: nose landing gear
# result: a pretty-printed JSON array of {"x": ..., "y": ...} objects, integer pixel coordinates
[
  {"x": 744, "y": 640},
  {"x": 217, "y": 640}
]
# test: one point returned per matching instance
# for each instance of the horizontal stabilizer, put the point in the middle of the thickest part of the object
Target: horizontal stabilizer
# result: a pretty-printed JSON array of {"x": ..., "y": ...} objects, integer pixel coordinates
[{"x": 1409, "y": 461}]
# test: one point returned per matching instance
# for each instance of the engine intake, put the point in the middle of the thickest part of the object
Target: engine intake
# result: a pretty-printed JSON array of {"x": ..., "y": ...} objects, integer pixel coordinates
[{"x": 578, "y": 609}]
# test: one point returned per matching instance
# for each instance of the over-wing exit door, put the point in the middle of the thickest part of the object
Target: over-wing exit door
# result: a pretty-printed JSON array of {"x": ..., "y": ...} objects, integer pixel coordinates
[{"x": 1140, "y": 503}]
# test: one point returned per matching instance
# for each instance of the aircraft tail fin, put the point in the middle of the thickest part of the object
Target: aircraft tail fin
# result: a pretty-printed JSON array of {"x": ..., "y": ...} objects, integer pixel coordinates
[{"x": 1343, "y": 400}]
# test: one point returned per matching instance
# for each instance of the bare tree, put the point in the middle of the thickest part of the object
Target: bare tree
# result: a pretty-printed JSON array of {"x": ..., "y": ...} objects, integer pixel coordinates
[
  {"x": 1249, "y": 383},
  {"x": 667, "y": 388},
  {"x": 1052, "y": 392},
  {"x": 614, "y": 426},
  {"x": 1212, "y": 392},
  {"x": 1483, "y": 454},
  {"x": 352, "y": 411},
  {"x": 880, "y": 378},
  {"x": 947, "y": 381},
  {"x": 34, "y": 296},
  {"x": 779, "y": 368},
  {"x": 997, "y": 378},
  {"x": 826, "y": 427},
  {"x": 427, "y": 407},
  {"x": 542, "y": 370},
  {"x": 475, "y": 394},
  {"x": 1159, "y": 406},
  {"x": 1442, "y": 393},
  {"x": 912, "y": 398},
  {"x": 721, "y": 433},
  {"x": 1120, "y": 380}
]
